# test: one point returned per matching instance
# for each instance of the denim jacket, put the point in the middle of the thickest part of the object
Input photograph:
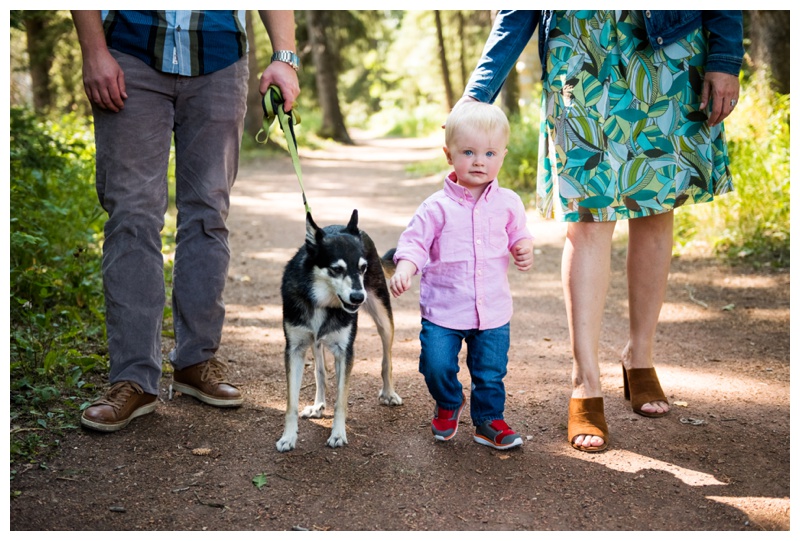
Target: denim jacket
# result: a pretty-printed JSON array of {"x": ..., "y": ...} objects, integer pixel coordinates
[{"x": 513, "y": 29}]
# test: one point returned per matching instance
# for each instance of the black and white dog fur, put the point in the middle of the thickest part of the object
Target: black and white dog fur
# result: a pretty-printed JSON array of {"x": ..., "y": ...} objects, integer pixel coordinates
[{"x": 333, "y": 274}]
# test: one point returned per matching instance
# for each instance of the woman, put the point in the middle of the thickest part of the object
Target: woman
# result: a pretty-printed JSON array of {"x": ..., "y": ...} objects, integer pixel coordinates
[{"x": 632, "y": 105}]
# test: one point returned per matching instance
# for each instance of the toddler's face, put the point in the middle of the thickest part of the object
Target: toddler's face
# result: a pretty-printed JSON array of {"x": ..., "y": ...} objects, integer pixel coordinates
[{"x": 476, "y": 157}]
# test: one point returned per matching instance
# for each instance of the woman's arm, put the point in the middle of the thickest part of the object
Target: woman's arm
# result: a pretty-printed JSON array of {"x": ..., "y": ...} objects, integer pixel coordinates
[{"x": 510, "y": 34}]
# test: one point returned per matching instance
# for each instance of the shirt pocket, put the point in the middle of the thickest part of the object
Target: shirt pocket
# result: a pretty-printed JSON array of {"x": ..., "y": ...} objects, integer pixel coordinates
[
  {"x": 455, "y": 246},
  {"x": 498, "y": 236}
]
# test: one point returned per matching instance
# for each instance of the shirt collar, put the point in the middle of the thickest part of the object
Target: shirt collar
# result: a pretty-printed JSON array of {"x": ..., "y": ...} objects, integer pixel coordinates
[{"x": 460, "y": 194}]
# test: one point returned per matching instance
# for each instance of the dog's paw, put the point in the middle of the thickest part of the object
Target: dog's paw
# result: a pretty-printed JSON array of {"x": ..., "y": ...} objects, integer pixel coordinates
[
  {"x": 313, "y": 412},
  {"x": 286, "y": 443},
  {"x": 389, "y": 398},
  {"x": 337, "y": 440}
]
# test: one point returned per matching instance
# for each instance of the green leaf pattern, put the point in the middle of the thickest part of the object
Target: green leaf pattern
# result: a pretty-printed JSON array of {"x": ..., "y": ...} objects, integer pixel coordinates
[{"x": 622, "y": 136}]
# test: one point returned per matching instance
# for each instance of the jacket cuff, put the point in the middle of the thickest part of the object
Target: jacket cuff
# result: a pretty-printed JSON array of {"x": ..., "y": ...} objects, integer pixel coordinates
[{"x": 724, "y": 63}]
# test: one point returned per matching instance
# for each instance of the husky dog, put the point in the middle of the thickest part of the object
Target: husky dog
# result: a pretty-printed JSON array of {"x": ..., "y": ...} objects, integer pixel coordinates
[{"x": 330, "y": 277}]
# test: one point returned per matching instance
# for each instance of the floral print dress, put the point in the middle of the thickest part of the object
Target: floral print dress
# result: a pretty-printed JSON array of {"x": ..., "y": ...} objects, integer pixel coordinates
[{"x": 622, "y": 135}]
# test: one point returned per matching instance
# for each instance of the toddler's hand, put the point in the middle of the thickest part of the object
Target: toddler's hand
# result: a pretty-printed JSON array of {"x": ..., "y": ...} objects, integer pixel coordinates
[
  {"x": 399, "y": 283},
  {"x": 522, "y": 252},
  {"x": 401, "y": 280}
]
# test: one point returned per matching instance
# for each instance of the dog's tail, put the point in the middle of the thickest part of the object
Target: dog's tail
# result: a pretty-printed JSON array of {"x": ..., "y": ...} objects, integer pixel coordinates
[{"x": 387, "y": 262}]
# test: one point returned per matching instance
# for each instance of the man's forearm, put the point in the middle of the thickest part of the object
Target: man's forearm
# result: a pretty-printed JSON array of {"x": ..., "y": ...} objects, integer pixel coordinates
[
  {"x": 89, "y": 26},
  {"x": 280, "y": 28}
]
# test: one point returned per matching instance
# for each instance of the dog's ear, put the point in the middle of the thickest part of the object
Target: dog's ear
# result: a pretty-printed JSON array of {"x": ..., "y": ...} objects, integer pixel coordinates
[
  {"x": 313, "y": 233},
  {"x": 352, "y": 226}
]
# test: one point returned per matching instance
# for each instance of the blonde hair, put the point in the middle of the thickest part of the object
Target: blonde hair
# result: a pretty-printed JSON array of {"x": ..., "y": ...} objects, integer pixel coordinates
[{"x": 475, "y": 115}]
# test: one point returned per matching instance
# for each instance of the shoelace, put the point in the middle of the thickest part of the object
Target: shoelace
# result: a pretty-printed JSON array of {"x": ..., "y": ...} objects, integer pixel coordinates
[
  {"x": 118, "y": 394},
  {"x": 214, "y": 372}
]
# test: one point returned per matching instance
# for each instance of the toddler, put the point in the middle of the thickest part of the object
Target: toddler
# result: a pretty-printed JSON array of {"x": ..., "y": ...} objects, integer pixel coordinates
[{"x": 459, "y": 239}]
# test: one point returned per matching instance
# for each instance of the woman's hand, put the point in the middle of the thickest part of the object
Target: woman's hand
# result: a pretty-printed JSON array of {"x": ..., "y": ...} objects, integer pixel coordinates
[{"x": 723, "y": 91}]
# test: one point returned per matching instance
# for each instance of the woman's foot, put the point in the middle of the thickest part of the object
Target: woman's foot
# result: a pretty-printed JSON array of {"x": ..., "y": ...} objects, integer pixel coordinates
[
  {"x": 654, "y": 408},
  {"x": 587, "y": 430}
]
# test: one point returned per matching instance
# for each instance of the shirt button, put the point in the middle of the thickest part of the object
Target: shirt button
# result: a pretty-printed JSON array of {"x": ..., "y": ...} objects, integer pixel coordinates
[
  {"x": 478, "y": 241},
  {"x": 480, "y": 272},
  {"x": 659, "y": 40},
  {"x": 647, "y": 13}
]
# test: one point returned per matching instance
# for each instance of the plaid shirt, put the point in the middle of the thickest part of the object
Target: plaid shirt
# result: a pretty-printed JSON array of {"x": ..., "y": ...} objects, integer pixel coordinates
[{"x": 182, "y": 42}]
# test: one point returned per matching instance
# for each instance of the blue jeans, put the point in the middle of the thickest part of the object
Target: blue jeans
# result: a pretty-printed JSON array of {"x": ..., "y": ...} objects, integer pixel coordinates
[
  {"x": 205, "y": 114},
  {"x": 487, "y": 359}
]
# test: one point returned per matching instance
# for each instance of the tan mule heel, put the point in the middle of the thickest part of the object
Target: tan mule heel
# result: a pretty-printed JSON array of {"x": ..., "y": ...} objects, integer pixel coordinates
[
  {"x": 641, "y": 387},
  {"x": 586, "y": 416}
]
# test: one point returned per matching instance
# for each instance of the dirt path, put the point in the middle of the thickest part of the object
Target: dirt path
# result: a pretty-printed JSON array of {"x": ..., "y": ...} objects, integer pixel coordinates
[{"x": 719, "y": 461}]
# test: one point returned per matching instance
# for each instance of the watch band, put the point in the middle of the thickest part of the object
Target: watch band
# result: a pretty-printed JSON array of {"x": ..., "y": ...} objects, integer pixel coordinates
[{"x": 289, "y": 57}]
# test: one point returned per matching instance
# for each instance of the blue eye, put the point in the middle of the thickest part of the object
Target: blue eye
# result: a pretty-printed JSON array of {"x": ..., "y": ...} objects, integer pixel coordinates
[
  {"x": 468, "y": 153},
  {"x": 490, "y": 154}
]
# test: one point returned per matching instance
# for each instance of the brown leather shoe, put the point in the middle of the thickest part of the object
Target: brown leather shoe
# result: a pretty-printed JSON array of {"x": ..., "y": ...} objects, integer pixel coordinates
[
  {"x": 207, "y": 382},
  {"x": 122, "y": 403}
]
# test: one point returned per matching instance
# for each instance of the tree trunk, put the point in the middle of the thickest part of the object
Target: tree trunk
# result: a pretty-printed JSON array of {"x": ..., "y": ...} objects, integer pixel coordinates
[
  {"x": 40, "y": 56},
  {"x": 769, "y": 46},
  {"x": 255, "y": 113},
  {"x": 509, "y": 97},
  {"x": 448, "y": 89},
  {"x": 326, "y": 62},
  {"x": 463, "y": 46}
]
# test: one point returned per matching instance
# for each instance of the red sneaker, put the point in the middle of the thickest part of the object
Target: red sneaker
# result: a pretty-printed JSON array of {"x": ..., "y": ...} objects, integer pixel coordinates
[
  {"x": 445, "y": 422},
  {"x": 497, "y": 434}
]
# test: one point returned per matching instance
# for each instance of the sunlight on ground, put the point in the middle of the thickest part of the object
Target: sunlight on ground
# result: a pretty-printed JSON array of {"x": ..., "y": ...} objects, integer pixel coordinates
[
  {"x": 256, "y": 334},
  {"x": 681, "y": 312},
  {"x": 278, "y": 255},
  {"x": 766, "y": 512},
  {"x": 266, "y": 312},
  {"x": 629, "y": 462}
]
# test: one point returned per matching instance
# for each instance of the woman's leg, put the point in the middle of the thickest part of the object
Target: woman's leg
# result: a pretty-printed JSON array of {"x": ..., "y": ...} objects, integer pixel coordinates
[
  {"x": 585, "y": 273},
  {"x": 649, "y": 257}
]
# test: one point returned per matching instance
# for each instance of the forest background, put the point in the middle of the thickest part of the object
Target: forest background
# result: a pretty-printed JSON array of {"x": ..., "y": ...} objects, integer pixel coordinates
[{"x": 383, "y": 73}]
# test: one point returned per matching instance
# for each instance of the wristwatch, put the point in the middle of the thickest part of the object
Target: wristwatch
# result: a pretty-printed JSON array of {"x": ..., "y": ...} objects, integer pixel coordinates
[{"x": 288, "y": 57}]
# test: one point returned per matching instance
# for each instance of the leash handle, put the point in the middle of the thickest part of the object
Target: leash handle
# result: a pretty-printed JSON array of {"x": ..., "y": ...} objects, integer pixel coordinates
[{"x": 272, "y": 103}]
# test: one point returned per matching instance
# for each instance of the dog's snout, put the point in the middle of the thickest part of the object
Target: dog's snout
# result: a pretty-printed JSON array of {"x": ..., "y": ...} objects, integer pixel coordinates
[{"x": 357, "y": 297}]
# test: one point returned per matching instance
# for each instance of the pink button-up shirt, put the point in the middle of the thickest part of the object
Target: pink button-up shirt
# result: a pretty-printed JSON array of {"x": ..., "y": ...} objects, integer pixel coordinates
[{"x": 461, "y": 246}]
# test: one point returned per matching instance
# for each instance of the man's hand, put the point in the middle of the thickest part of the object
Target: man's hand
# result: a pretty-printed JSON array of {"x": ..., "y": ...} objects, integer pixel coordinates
[
  {"x": 103, "y": 79},
  {"x": 522, "y": 252},
  {"x": 284, "y": 77},
  {"x": 280, "y": 28}
]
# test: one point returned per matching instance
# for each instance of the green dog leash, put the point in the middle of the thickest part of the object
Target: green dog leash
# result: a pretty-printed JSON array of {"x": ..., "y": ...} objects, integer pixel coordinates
[{"x": 272, "y": 102}]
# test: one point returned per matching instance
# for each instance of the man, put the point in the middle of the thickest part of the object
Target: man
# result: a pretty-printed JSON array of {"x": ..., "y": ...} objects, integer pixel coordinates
[{"x": 149, "y": 75}]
